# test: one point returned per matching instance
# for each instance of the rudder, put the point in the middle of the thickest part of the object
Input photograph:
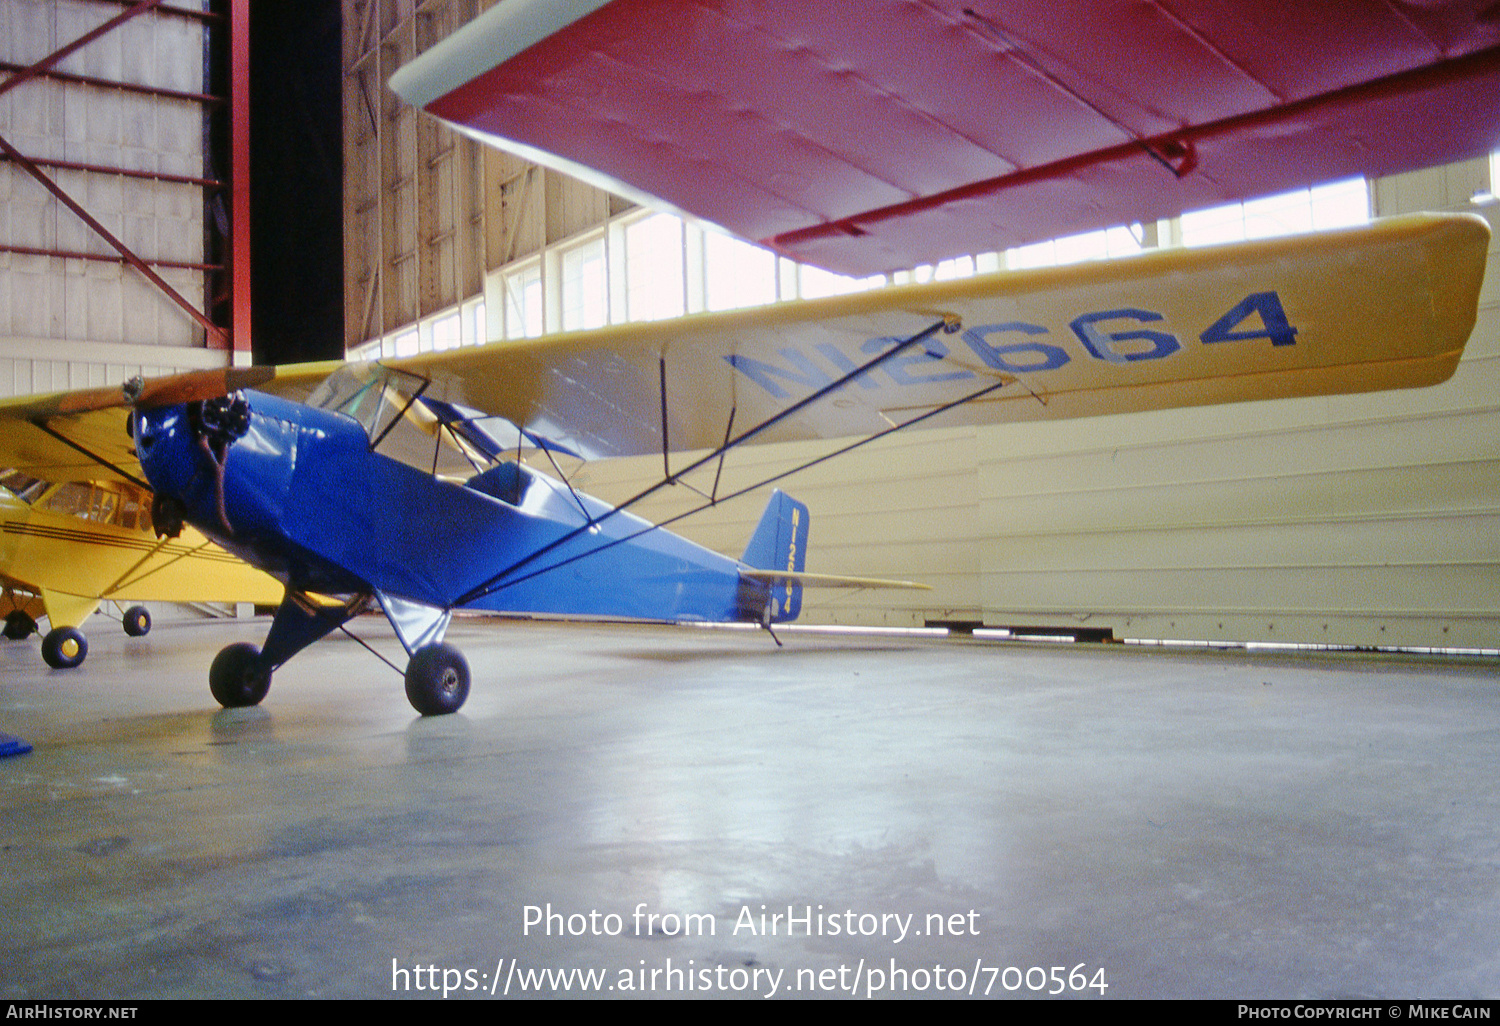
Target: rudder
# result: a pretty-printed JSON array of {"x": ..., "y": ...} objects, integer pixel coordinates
[{"x": 780, "y": 543}]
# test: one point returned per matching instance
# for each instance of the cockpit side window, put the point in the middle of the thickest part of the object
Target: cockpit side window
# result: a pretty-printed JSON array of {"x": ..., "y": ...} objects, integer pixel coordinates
[
  {"x": 23, "y": 486},
  {"x": 102, "y": 503},
  {"x": 71, "y": 498}
]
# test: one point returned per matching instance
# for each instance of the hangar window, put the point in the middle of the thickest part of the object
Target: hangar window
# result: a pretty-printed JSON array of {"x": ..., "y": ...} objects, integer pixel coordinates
[
  {"x": 585, "y": 291},
  {"x": 479, "y": 331},
  {"x": 1335, "y": 205},
  {"x": 1106, "y": 243},
  {"x": 1487, "y": 193},
  {"x": 815, "y": 283},
  {"x": 736, "y": 273},
  {"x": 654, "y": 273},
  {"x": 523, "y": 301},
  {"x": 406, "y": 343},
  {"x": 445, "y": 332}
]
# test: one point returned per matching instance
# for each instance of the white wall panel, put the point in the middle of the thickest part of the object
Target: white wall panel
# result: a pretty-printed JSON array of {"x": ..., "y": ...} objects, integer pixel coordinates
[{"x": 44, "y": 300}]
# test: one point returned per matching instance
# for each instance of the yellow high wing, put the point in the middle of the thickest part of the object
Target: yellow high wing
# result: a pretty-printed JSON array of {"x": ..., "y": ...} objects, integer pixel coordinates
[
  {"x": 1388, "y": 305},
  {"x": 75, "y": 524}
]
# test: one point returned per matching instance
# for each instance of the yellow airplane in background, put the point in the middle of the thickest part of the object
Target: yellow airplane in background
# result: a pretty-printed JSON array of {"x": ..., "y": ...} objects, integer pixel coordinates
[{"x": 67, "y": 547}]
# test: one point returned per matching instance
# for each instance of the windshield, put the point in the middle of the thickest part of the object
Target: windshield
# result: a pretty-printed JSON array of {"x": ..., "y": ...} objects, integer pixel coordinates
[{"x": 368, "y": 392}]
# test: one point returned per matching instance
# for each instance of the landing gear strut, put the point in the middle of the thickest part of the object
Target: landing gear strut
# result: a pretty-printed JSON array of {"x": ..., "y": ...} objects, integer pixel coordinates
[{"x": 437, "y": 675}]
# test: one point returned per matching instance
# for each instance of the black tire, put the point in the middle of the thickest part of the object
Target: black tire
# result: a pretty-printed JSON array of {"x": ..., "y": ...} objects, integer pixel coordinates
[
  {"x": 64, "y": 647},
  {"x": 137, "y": 621},
  {"x": 18, "y": 625},
  {"x": 437, "y": 680},
  {"x": 237, "y": 677}
]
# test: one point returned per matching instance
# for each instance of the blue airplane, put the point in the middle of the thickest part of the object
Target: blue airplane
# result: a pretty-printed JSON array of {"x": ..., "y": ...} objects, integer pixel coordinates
[
  {"x": 398, "y": 485},
  {"x": 266, "y": 477}
]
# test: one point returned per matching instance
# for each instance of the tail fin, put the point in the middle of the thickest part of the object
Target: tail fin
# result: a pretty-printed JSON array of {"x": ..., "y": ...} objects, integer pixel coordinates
[{"x": 780, "y": 543}]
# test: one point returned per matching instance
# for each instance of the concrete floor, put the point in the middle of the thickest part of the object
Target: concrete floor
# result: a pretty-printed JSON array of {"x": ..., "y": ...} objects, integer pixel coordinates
[{"x": 1193, "y": 824}]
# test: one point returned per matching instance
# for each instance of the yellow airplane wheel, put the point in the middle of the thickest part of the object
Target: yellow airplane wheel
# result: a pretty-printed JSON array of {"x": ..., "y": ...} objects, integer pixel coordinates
[
  {"x": 64, "y": 648},
  {"x": 137, "y": 621}
]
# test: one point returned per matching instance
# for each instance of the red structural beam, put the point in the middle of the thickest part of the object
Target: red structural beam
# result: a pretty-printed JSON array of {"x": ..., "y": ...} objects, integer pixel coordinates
[
  {"x": 67, "y": 254},
  {"x": 181, "y": 12},
  {"x": 105, "y": 83},
  {"x": 215, "y": 333},
  {"x": 125, "y": 172},
  {"x": 239, "y": 176},
  {"x": 59, "y": 55}
]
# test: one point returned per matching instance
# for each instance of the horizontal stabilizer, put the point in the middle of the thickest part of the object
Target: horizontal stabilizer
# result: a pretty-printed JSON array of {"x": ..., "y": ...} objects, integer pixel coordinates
[{"x": 828, "y": 580}]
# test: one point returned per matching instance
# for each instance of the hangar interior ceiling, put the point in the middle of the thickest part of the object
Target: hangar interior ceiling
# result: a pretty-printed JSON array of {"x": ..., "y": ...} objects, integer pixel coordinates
[
  {"x": 121, "y": 127},
  {"x": 1369, "y": 520}
]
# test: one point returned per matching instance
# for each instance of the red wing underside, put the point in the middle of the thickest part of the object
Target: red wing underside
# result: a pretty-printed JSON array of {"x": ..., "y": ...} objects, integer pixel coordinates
[{"x": 868, "y": 135}]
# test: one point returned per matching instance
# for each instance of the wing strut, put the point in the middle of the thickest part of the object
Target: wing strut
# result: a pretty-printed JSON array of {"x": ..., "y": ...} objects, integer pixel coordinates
[
  {"x": 587, "y": 516},
  {"x": 402, "y": 414},
  {"x": 42, "y": 425},
  {"x": 495, "y": 584},
  {"x": 125, "y": 579},
  {"x": 949, "y": 324},
  {"x": 723, "y": 451},
  {"x": 666, "y": 448}
]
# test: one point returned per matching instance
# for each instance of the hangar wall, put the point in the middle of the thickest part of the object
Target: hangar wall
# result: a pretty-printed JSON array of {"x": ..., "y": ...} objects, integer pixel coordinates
[
  {"x": 119, "y": 126},
  {"x": 1364, "y": 520}
]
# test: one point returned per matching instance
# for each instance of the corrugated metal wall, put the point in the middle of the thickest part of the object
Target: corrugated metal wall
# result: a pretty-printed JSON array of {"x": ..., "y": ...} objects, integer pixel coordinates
[
  {"x": 73, "y": 322},
  {"x": 1367, "y": 520}
]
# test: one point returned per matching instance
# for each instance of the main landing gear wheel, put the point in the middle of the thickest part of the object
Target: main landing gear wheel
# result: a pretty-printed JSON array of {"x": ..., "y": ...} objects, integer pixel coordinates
[
  {"x": 237, "y": 677},
  {"x": 137, "y": 621},
  {"x": 18, "y": 625},
  {"x": 437, "y": 680},
  {"x": 64, "y": 647}
]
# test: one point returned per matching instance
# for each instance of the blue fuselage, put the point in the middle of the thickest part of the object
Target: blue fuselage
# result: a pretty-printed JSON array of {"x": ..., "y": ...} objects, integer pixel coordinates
[{"x": 306, "y": 499}]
